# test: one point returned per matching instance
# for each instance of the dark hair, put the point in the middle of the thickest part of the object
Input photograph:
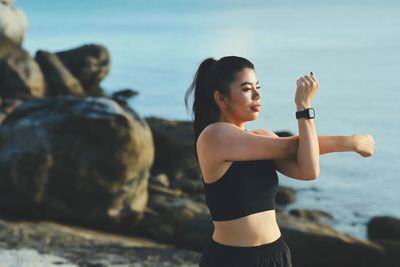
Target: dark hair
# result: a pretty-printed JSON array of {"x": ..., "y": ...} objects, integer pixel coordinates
[{"x": 212, "y": 75}]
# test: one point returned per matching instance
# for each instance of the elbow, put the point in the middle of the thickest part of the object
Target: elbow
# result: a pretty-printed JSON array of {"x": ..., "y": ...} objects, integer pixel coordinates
[
  {"x": 312, "y": 175},
  {"x": 315, "y": 176}
]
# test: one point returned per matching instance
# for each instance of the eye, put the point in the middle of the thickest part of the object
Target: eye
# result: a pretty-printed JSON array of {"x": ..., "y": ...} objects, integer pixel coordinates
[{"x": 247, "y": 89}]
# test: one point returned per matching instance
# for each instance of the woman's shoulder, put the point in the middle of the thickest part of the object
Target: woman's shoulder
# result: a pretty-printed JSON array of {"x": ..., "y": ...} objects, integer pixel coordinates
[
  {"x": 210, "y": 135},
  {"x": 217, "y": 128}
]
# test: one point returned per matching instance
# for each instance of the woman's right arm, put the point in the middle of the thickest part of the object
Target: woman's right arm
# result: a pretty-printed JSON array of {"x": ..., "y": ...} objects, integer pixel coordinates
[{"x": 308, "y": 148}]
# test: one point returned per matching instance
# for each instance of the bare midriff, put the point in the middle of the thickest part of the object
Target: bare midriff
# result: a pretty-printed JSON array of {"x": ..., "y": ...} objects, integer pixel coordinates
[{"x": 252, "y": 230}]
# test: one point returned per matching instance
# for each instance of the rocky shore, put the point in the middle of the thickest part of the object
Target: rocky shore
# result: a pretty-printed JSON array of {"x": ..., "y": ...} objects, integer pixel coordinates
[
  {"x": 45, "y": 243},
  {"x": 86, "y": 181}
]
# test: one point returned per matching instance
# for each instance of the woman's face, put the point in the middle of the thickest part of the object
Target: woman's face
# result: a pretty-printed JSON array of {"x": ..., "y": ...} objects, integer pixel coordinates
[{"x": 245, "y": 100}]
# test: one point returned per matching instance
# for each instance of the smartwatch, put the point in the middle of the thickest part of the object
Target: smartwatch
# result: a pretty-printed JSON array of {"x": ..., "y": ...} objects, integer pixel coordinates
[{"x": 308, "y": 113}]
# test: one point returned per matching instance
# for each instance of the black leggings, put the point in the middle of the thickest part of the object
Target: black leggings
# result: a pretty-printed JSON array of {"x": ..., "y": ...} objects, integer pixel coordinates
[{"x": 274, "y": 254}]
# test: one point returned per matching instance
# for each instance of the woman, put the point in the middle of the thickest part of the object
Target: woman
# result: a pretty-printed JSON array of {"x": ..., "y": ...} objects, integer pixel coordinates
[{"x": 239, "y": 166}]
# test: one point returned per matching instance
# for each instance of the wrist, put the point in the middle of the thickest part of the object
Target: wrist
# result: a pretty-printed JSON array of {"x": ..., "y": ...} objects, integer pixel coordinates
[
  {"x": 302, "y": 106},
  {"x": 351, "y": 142}
]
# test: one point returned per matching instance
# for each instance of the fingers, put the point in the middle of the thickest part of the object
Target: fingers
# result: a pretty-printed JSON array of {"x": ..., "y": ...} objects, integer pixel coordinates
[
  {"x": 311, "y": 79},
  {"x": 312, "y": 76},
  {"x": 301, "y": 82},
  {"x": 308, "y": 78},
  {"x": 304, "y": 80},
  {"x": 372, "y": 139}
]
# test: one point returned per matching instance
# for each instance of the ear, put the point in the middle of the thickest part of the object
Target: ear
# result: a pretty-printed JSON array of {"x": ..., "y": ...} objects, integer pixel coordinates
[{"x": 220, "y": 99}]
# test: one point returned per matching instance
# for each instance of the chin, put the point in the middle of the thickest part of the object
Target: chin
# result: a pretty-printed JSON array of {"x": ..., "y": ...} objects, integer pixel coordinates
[{"x": 253, "y": 117}]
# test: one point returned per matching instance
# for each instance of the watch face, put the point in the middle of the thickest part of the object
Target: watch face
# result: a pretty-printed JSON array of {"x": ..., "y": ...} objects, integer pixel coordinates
[{"x": 311, "y": 113}]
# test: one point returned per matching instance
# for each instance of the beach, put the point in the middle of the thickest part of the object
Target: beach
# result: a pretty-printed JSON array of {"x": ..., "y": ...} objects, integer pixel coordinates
[{"x": 154, "y": 49}]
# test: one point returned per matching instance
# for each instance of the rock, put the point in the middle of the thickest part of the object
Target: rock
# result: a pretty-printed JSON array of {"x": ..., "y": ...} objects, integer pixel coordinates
[
  {"x": 176, "y": 220},
  {"x": 89, "y": 64},
  {"x": 285, "y": 195},
  {"x": 190, "y": 186},
  {"x": 7, "y": 106},
  {"x": 162, "y": 190},
  {"x": 160, "y": 179},
  {"x": 59, "y": 80},
  {"x": 312, "y": 215},
  {"x": 199, "y": 198},
  {"x": 195, "y": 233},
  {"x": 316, "y": 244},
  {"x": 392, "y": 252},
  {"x": 13, "y": 25},
  {"x": 79, "y": 160},
  {"x": 173, "y": 141},
  {"x": 7, "y": 2},
  {"x": 122, "y": 97},
  {"x": 125, "y": 94},
  {"x": 384, "y": 227},
  {"x": 20, "y": 76}
]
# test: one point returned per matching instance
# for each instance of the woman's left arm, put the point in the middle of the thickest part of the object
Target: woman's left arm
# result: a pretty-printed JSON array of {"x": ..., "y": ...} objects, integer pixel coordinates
[
  {"x": 338, "y": 143},
  {"x": 363, "y": 144}
]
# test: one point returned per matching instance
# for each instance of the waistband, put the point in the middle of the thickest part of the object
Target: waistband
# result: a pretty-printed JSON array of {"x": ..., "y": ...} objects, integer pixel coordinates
[{"x": 274, "y": 248}]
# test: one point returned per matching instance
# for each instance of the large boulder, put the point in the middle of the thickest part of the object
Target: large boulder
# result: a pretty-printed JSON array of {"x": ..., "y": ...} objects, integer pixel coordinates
[
  {"x": 20, "y": 76},
  {"x": 89, "y": 64},
  {"x": 79, "y": 160},
  {"x": 13, "y": 26},
  {"x": 59, "y": 80},
  {"x": 173, "y": 141}
]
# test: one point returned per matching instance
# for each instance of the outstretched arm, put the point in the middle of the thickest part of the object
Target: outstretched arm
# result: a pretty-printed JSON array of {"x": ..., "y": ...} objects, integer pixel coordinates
[
  {"x": 329, "y": 144},
  {"x": 363, "y": 144}
]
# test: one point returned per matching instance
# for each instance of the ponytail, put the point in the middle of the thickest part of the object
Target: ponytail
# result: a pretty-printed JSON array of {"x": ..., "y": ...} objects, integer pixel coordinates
[{"x": 212, "y": 75}]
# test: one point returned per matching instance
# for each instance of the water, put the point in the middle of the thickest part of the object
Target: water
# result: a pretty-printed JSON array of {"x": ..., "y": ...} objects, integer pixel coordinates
[
  {"x": 352, "y": 47},
  {"x": 26, "y": 257}
]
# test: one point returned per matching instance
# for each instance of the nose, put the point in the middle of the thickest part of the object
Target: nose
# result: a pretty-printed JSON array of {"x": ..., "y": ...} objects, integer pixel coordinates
[{"x": 256, "y": 94}]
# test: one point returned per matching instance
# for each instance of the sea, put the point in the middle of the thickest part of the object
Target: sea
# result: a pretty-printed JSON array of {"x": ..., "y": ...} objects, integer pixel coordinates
[{"x": 352, "y": 46}]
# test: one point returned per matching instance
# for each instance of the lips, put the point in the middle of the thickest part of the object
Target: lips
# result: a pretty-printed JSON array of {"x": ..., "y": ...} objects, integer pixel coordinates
[{"x": 256, "y": 108}]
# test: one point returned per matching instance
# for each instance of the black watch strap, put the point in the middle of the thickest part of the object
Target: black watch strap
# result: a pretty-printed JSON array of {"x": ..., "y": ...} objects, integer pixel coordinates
[{"x": 308, "y": 113}]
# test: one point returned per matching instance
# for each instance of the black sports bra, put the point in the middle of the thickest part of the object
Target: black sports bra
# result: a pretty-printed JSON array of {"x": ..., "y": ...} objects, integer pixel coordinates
[{"x": 246, "y": 187}]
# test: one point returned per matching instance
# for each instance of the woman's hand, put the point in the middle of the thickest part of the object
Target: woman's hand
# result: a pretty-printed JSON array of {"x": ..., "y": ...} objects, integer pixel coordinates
[
  {"x": 364, "y": 144},
  {"x": 307, "y": 87}
]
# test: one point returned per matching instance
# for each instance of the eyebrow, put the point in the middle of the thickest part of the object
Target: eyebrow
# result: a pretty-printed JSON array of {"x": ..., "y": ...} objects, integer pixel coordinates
[{"x": 244, "y": 83}]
